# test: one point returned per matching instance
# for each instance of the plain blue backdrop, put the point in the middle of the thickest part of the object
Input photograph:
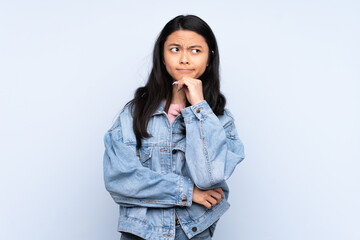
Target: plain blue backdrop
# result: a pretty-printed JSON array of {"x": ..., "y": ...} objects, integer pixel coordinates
[{"x": 289, "y": 70}]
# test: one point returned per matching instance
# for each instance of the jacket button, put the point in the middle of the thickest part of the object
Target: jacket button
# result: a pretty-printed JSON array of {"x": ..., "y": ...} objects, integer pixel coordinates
[
  {"x": 184, "y": 201},
  {"x": 174, "y": 151},
  {"x": 194, "y": 229},
  {"x": 198, "y": 110}
]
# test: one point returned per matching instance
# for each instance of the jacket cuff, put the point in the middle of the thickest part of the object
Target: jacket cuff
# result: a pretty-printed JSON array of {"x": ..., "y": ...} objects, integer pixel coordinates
[
  {"x": 186, "y": 188},
  {"x": 199, "y": 111}
]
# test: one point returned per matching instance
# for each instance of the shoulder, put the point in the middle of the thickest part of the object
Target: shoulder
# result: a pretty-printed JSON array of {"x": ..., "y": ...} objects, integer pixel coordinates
[
  {"x": 123, "y": 125},
  {"x": 127, "y": 110},
  {"x": 228, "y": 114},
  {"x": 122, "y": 118}
]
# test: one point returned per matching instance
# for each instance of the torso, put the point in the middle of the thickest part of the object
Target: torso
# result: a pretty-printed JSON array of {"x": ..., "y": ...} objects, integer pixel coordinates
[{"x": 174, "y": 110}]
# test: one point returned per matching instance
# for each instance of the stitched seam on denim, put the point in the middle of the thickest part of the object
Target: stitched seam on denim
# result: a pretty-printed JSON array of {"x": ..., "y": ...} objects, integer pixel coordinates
[
  {"x": 116, "y": 126},
  {"x": 190, "y": 194},
  {"x": 145, "y": 156},
  {"x": 177, "y": 201},
  {"x": 205, "y": 150},
  {"x": 113, "y": 194},
  {"x": 162, "y": 144},
  {"x": 230, "y": 129},
  {"x": 233, "y": 135},
  {"x": 202, "y": 216},
  {"x": 136, "y": 219}
]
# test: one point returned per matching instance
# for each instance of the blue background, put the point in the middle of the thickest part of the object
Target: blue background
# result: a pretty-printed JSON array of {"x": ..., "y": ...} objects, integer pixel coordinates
[{"x": 289, "y": 70}]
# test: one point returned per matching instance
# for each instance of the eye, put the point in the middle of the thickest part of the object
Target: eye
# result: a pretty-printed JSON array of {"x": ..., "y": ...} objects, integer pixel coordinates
[
  {"x": 196, "y": 51},
  {"x": 174, "y": 49}
]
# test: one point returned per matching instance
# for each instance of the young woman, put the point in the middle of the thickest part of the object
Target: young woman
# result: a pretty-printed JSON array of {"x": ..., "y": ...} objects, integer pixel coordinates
[{"x": 173, "y": 146}]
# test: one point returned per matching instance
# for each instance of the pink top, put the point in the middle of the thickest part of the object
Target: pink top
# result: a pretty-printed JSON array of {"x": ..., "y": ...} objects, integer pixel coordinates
[{"x": 174, "y": 110}]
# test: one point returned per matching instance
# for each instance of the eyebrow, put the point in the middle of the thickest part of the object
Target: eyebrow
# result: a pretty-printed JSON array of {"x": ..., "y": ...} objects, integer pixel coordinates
[{"x": 178, "y": 45}]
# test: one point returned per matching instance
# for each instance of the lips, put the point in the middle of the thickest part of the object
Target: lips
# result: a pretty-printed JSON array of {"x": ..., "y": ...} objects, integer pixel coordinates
[{"x": 183, "y": 70}]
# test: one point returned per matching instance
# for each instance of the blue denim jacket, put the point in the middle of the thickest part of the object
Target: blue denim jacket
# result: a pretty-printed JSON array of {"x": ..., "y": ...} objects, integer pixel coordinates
[{"x": 150, "y": 184}]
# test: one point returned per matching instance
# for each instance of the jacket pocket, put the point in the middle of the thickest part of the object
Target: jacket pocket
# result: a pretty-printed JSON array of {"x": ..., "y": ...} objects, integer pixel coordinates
[
  {"x": 144, "y": 156},
  {"x": 138, "y": 213}
]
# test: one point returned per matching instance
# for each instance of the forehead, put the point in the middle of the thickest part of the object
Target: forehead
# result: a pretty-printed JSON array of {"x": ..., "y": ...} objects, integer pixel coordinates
[{"x": 185, "y": 37}]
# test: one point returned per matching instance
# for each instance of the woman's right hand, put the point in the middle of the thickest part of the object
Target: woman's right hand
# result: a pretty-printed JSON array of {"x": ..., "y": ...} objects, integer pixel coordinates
[{"x": 208, "y": 198}]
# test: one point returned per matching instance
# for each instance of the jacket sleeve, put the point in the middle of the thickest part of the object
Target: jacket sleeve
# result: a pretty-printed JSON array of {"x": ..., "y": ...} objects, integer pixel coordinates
[
  {"x": 131, "y": 184},
  {"x": 213, "y": 148}
]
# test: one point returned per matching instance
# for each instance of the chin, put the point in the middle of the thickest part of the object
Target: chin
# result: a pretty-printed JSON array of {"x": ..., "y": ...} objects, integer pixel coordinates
[{"x": 192, "y": 75}]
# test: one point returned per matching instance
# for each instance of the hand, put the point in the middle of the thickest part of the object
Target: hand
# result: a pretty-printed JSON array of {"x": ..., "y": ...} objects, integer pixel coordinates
[
  {"x": 208, "y": 198},
  {"x": 193, "y": 89}
]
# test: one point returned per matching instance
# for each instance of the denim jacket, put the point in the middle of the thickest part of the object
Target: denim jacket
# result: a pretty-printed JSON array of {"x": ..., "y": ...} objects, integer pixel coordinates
[{"x": 150, "y": 184}]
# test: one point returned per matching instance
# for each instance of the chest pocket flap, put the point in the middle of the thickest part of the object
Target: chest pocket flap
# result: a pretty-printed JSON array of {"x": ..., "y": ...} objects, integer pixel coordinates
[
  {"x": 144, "y": 155},
  {"x": 181, "y": 145}
]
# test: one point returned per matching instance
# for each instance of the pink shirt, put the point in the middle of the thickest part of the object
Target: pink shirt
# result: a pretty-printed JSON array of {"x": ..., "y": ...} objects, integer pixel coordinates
[{"x": 174, "y": 110}]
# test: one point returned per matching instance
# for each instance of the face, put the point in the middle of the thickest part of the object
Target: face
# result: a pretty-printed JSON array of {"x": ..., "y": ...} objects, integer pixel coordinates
[{"x": 186, "y": 54}]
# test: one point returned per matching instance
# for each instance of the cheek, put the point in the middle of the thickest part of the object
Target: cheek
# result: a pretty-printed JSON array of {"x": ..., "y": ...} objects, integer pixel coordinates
[
  {"x": 169, "y": 65},
  {"x": 169, "y": 62},
  {"x": 201, "y": 67},
  {"x": 200, "y": 70}
]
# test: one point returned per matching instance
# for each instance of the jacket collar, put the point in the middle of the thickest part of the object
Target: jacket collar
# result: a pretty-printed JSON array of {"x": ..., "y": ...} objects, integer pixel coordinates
[{"x": 160, "y": 108}]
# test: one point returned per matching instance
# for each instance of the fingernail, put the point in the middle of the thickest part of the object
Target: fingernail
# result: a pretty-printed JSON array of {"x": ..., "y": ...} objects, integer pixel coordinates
[
  {"x": 174, "y": 82},
  {"x": 177, "y": 89}
]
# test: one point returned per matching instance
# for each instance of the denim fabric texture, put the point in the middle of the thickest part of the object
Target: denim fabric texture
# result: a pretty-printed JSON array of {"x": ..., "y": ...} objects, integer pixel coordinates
[
  {"x": 179, "y": 235},
  {"x": 153, "y": 182}
]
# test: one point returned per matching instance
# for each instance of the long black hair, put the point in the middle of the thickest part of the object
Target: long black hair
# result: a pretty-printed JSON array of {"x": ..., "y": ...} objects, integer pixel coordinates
[{"x": 159, "y": 84}]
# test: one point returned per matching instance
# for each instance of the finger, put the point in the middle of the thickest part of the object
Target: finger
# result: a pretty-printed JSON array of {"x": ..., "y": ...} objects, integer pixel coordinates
[
  {"x": 212, "y": 200},
  {"x": 180, "y": 84},
  {"x": 207, "y": 204},
  {"x": 192, "y": 81},
  {"x": 219, "y": 190},
  {"x": 189, "y": 82},
  {"x": 186, "y": 90},
  {"x": 216, "y": 195}
]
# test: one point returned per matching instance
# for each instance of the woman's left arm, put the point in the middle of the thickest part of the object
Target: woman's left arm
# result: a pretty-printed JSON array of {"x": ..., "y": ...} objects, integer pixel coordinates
[{"x": 213, "y": 148}]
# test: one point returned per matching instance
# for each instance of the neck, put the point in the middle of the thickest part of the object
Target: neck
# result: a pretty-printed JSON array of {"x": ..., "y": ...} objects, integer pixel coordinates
[{"x": 178, "y": 97}]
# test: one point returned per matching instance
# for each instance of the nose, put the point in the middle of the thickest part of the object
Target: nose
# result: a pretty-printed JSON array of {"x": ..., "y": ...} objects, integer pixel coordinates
[{"x": 184, "y": 59}]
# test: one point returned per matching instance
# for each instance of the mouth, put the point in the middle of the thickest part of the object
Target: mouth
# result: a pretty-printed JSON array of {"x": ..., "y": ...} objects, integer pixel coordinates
[{"x": 183, "y": 70}]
